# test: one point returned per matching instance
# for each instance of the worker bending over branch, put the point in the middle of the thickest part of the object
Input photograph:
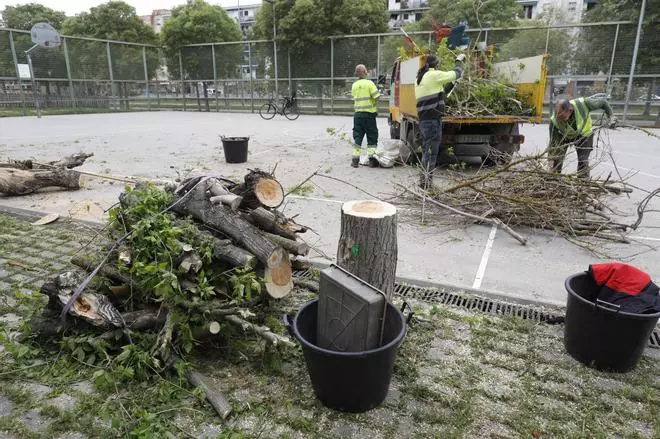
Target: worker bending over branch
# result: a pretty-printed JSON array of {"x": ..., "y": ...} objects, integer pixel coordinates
[{"x": 572, "y": 124}]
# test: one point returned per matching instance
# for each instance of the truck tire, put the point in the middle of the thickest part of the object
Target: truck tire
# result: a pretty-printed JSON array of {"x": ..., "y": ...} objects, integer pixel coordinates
[
  {"x": 408, "y": 151},
  {"x": 502, "y": 153},
  {"x": 395, "y": 130}
]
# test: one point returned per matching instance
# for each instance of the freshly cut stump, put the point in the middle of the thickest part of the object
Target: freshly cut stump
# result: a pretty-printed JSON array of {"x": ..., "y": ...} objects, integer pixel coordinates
[
  {"x": 367, "y": 243},
  {"x": 269, "y": 192}
]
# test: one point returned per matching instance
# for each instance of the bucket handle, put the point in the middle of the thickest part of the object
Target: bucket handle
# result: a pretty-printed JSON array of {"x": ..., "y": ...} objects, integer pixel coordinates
[
  {"x": 286, "y": 321},
  {"x": 410, "y": 313},
  {"x": 607, "y": 306}
]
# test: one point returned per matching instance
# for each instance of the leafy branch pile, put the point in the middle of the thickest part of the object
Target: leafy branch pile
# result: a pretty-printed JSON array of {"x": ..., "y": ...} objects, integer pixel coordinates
[
  {"x": 480, "y": 91},
  {"x": 524, "y": 193},
  {"x": 185, "y": 266}
]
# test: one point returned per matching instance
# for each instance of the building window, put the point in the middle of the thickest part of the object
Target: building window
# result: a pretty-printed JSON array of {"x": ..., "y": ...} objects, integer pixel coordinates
[
  {"x": 528, "y": 11},
  {"x": 405, "y": 16},
  {"x": 245, "y": 13},
  {"x": 572, "y": 6},
  {"x": 418, "y": 17}
]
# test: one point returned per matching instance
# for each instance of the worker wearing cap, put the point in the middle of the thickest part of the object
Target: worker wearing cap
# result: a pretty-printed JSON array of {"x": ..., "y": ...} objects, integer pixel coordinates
[
  {"x": 572, "y": 125},
  {"x": 365, "y": 98},
  {"x": 430, "y": 94}
]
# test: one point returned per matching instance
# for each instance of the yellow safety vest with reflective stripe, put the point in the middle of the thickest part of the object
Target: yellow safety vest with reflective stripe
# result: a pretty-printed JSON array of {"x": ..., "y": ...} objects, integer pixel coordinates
[
  {"x": 583, "y": 122},
  {"x": 365, "y": 94},
  {"x": 430, "y": 101}
]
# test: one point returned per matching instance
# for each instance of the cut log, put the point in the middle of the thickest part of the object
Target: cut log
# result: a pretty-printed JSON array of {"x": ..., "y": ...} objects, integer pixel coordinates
[
  {"x": 260, "y": 189},
  {"x": 217, "y": 399},
  {"x": 220, "y": 194},
  {"x": 274, "y": 222},
  {"x": 93, "y": 308},
  {"x": 367, "y": 243},
  {"x": 72, "y": 161},
  {"x": 295, "y": 247},
  {"x": 225, "y": 252},
  {"x": 23, "y": 182},
  {"x": 274, "y": 257}
]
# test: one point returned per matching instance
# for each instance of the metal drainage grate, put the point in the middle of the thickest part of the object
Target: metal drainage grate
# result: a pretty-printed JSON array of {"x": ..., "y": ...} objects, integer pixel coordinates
[{"x": 475, "y": 303}]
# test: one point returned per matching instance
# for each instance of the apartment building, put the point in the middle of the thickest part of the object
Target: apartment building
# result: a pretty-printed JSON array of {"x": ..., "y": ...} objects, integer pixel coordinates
[{"x": 403, "y": 12}]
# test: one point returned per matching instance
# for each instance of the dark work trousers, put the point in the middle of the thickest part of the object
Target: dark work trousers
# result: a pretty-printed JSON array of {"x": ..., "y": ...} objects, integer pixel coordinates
[
  {"x": 364, "y": 123},
  {"x": 432, "y": 137},
  {"x": 583, "y": 148}
]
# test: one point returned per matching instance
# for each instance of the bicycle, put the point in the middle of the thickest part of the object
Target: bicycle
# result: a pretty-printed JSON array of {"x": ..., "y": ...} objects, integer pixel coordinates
[{"x": 288, "y": 110}]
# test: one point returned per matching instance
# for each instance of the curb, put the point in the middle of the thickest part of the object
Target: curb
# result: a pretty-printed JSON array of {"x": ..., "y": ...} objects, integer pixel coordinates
[{"x": 31, "y": 215}]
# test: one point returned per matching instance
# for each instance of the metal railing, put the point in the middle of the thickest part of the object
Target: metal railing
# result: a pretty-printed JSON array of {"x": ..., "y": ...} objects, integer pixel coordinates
[{"x": 87, "y": 74}]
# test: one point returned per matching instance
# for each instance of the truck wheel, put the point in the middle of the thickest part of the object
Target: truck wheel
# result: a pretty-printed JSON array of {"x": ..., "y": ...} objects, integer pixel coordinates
[
  {"x": 395, "y": 130},
  {"x": 408, "y": 150},
  {"x": 502, "y": 153}
]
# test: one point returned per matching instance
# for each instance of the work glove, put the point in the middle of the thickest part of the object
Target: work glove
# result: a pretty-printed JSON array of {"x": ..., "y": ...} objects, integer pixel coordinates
[
  {"x": 611, "y": 123},
  {"x": 460, "y": 57}
]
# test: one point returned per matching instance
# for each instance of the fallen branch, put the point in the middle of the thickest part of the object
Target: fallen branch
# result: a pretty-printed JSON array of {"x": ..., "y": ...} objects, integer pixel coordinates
[
  {"x": 482, "y": 219},
  {"x": 261, "y": 331}
]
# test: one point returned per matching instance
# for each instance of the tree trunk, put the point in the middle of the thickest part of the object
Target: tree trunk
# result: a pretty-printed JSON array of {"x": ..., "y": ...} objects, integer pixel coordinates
[
  {"x": 367, "y": 243},
  {"x": 292, "y": 246},
  {"x": 206, "y": 97},
  {"x": 649, "y": 96},
  {"x": 72, "y": 161},
  {"x": 22, "y": 182},
  {"x": 199, "y": 104},
  {"x": 274, "y": 257}
]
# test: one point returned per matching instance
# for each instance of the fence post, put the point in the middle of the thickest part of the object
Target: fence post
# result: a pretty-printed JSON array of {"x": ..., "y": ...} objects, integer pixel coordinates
[
  {"x": 634, "y": 60},
  {"x": 609, "y": 75},
  {"x": 378, "y": 55},
  {"x": 183, "y": 84},
  {"x": 276, "y": 72},
  {"x": 486, "y": 37},
  {"x": 111, "y": 74},
  {"x": 67, "y": 63},
  {"x": 250, "y": 72},
  {"x": 215, "y": 77},
  {"x": 18, "y": 73},
  {"x": 332, "y": 78},
  {"x": 146, "y": 77},
  {"x": 288, "y": 65}
]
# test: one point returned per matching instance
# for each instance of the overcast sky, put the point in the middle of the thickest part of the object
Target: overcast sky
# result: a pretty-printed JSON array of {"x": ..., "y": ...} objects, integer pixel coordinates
[{"x": 143, "y": 7}]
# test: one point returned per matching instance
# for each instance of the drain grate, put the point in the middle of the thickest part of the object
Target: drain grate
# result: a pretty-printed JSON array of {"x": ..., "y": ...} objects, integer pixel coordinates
[{"x": 476, "y": 303}]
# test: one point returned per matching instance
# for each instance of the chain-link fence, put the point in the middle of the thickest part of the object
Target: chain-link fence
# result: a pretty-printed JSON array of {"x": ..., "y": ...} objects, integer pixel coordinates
[{"x": 85, "y": 74}]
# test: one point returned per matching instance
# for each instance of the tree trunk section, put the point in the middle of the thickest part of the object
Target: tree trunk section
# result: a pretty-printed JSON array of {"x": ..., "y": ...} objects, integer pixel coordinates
[
  {"x": 368, "y": 243},
  {"x": 260, "y": 189},
  {"x": 23, "y": 182}
]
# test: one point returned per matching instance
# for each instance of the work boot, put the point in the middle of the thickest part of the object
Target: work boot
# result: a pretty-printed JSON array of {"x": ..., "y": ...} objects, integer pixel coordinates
[
  {"x": 373, "y": 162},
  {"x": 355, "y": 162}
]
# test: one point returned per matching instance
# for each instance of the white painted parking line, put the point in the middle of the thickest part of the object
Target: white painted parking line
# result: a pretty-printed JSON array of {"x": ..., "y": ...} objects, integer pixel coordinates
[
  {"x": 325, "y": 200},
  {"x": 484, "y": 258},
  {"x": 636, "y": 171}
]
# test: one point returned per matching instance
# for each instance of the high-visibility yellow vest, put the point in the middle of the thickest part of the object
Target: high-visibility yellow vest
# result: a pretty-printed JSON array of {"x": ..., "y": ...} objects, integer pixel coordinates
[
  {"x": 365, "y": 94},
  {"x": 583, "y": 122},
  {"x": 429, "y": 93}
]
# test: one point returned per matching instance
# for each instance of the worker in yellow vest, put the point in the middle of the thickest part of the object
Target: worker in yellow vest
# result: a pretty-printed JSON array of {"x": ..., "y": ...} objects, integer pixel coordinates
[
  {"x": 365, "y": 99},
  {"x": 430, "y": 96},
  {"x": 572, "y": 125}
]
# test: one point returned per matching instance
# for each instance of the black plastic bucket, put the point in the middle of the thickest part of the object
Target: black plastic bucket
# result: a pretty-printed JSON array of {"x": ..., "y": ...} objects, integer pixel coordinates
[
  {"x": 236, "y": 149},
  {"x": 598, "y": 334},
  {"x": 349, "y": 381}
]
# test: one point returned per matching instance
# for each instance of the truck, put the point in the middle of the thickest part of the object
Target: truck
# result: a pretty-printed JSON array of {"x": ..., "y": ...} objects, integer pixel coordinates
[{"x": 489, "y": 139}]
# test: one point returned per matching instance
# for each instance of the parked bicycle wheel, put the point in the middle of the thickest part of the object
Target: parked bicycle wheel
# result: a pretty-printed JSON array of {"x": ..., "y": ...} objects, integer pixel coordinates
[
  {"x": 267, "y": 111},
  {"x": 291, "y": 112}
]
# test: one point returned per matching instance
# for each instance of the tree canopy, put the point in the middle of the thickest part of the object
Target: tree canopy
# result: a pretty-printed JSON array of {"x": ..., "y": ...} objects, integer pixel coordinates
[
  {"x": 115, "y": 20},
  {"x": 25, "y": 16},
  {"x": 498, "y": 13},
  {"x": 596, "y": 42},
  {"x": 201, "y": 22}
]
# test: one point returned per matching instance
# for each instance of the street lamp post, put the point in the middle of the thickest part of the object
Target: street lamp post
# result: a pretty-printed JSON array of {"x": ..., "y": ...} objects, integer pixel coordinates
[{"x": 272, "y": 2}]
